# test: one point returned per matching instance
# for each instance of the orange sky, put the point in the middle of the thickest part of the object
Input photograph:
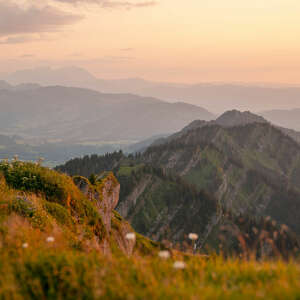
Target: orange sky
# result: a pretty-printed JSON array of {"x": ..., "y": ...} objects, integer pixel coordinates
[{"x": 174, "y": 40}]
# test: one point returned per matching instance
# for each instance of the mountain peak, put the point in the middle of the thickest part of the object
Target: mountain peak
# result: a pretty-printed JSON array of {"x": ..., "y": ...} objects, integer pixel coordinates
[{"x": 237, "y": 118}]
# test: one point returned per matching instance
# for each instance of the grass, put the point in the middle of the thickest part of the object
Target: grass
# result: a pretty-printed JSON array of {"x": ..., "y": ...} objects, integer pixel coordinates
[
  {"x": 74, "y": 266},
  {"x": 127, "y": 170},
  {"x": 46, "y": 273}
]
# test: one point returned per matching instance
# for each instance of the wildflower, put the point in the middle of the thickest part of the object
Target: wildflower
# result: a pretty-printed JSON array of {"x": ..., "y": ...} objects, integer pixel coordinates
[
  {"x": 50, "y": 239},
  {"x": 165, "y": 254},
  {"x": 179, "y": 265},
  {"x": 40, "y": 160},
  {"x": 25, "y": 245},
  {"x": 130, "y": 236},
  {"x": 193, "y": 236},
  {"x": 16, "y": 157}
]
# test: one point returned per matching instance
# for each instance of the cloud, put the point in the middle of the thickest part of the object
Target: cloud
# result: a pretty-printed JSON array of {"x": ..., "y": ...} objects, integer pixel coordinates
[
  {"x": 112, "y": 3},
  {"x": 19, "y": 39},
  {"x": 27, "y": 19}
]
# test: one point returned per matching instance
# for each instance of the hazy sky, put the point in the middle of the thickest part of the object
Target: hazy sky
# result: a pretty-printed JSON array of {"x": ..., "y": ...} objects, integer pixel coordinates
[{"x": 170, "y": 40}]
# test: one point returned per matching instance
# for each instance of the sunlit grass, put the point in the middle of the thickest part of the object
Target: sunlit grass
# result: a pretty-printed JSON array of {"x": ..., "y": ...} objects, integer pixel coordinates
[{"x": 45, "y": 272}]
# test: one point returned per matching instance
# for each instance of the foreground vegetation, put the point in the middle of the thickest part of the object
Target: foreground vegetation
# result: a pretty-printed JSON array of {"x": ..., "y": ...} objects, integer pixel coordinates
[
  {"x": 46, "y": 273},
  {"x": 51, "y": 247}
]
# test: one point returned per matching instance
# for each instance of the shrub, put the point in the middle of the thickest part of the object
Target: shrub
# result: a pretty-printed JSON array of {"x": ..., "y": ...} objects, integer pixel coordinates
[{"x": 59, "y": 213}]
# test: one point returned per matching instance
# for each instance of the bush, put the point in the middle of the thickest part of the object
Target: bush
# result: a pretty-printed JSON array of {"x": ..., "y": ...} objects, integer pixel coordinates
[
  {"x": 59, "y": 213},
  {"x": 32, "y": 177}
]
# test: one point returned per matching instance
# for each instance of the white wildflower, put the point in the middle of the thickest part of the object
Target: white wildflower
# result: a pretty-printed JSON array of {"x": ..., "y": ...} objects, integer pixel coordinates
[
  {"x": 165, "y": 254},
  {"x": 179, "y": 265},
  {"x": 130, "y": 236},
  {"x": 50, "y": 239},
  {"x": 193, "y": 236},
  {"x": 25, "y": 245},
  {"x": 40, "y": 160}
]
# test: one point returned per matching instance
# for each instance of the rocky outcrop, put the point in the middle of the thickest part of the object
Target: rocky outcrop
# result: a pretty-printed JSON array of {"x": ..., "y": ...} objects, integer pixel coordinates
[
  {"x": 104, "y": 194},
  {"x": 107, "y": 197}
]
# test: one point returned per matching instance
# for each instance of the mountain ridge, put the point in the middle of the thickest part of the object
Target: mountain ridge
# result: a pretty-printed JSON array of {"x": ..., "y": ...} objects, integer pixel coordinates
[
  {"x": 252, "y": 169},
  {"x": 216, "y": 97},
  {"x": 83, "y": 111}
]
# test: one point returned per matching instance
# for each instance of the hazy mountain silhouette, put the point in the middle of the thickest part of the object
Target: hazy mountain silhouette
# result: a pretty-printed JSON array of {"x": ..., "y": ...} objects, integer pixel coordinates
[
  {"x": 215, "y": 97},
  {"x": 75, "y": 114},
  {"x": 286, "y": 118}
]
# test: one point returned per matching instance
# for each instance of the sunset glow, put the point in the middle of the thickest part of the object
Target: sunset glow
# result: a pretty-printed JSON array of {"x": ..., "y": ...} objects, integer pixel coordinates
[{"x": 169, "y": 40}]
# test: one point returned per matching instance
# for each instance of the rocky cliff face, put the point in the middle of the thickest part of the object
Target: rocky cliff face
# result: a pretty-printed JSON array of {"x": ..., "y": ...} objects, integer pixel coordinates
[{"x": 105, "y": 195}]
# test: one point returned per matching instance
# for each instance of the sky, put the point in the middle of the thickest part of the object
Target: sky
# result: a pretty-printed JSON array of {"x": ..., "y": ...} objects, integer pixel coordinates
[{"x": 164, "y": 40}]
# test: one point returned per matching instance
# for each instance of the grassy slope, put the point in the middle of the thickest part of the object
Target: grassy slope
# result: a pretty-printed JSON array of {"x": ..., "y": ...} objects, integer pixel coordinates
[
  {"x": 49, "y": 272},
  {"x": 73, "y": 267}
]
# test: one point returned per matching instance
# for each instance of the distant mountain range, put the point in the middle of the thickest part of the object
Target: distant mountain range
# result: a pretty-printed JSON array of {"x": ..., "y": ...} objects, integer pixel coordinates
[
  {"x": 80, "y": 115},
  {"x": 216, "y": 97},
  {"x": 285, "y": 118}
]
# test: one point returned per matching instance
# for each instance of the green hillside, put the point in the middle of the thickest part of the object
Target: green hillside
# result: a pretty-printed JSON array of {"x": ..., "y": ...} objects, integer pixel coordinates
[{"x": 251, "y": 170}]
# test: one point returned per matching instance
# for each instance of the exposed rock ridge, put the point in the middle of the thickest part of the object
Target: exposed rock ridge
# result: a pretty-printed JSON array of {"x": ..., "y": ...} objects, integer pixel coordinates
[{"x": 104, "y": 193}]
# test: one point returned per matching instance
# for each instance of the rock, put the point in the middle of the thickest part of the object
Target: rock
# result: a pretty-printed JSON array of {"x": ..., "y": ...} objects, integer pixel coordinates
[{"x": 105, "y": 193}]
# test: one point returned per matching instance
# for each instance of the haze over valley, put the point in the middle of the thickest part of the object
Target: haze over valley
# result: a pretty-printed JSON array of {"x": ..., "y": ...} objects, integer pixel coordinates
[{"x": 213, "y": 96}]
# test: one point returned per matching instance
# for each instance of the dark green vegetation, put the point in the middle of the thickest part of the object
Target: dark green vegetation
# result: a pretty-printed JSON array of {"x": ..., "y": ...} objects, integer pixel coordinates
[
  {"x": 92, "y": 164},
  {"x": 252, "y": 171}
]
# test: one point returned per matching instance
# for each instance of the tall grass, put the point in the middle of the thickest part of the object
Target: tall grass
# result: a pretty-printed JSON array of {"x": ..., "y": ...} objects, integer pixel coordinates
[{"x": 48, "y": 274}]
